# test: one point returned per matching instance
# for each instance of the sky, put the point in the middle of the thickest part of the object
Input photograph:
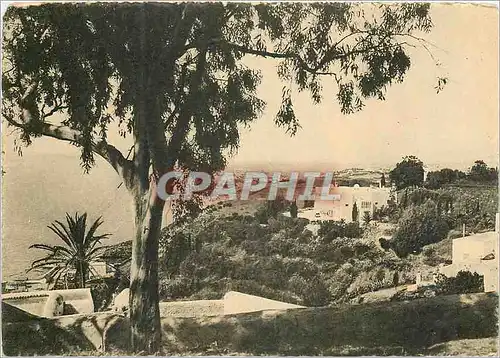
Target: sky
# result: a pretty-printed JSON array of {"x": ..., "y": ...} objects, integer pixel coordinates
[{"x": 450, "y": 129}]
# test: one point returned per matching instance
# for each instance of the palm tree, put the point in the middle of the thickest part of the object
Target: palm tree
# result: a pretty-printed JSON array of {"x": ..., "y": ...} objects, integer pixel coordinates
[{"x": 79, "y": 251}]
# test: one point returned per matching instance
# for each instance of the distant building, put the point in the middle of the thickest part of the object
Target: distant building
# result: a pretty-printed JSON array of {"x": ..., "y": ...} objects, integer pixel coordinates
[
  {"x": 367, "y": 199},
  {"x": 476, "y": 253}
]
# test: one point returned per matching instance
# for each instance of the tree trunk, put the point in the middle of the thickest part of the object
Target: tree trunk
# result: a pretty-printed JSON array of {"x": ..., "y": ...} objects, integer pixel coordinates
[
  {"x": 80, "y": 275},
  {"x": 144, "y": 300}
]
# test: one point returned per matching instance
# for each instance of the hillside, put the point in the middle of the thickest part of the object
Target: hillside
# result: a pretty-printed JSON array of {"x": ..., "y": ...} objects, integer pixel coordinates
[
  {"x": 476, "y": 204},
  {"x": 228, "y": 248},
  {"x": 283, "y": 260}
]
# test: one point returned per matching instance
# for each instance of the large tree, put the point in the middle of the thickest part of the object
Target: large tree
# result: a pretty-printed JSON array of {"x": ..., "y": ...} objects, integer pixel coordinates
[
  {"x": 408, "y": 173},
  {"x": 173, "y": 77},
  {"x": 482, "y": 173}
]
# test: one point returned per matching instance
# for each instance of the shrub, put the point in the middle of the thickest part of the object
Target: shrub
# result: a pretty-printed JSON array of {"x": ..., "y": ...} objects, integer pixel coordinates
[
  {"x": 474, "y": 207},
  {"x": 366, "y": 218},
  {"x": 332, "y": 230},
  {"x": 432, "y": 257},
  {"x": 464, "y": 282},
  {"x": 384, "y": 243},
  {"x": 312, "y": 290},
  {"x": 420, "y": 195},
  {"x": 419, "y": 226},
  {"x": 102, "y": 292},
  {"x": 210, "y": 255},
  {"x": 175, "y": 288}
]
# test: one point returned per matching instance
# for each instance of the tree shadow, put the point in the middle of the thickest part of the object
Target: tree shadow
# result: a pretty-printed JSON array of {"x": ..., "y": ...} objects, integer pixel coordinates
[
  {"x": 381, "y": 328},
  {"x": 61, "y": 335},
  {"x": 26, "y": 334}
]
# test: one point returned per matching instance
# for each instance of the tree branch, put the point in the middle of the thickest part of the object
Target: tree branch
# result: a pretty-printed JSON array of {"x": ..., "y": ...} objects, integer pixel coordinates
[
  {"x": 182, "y": 125},
  {"x": 332, "y": 54},
  {"x": 107, "y": 151}
]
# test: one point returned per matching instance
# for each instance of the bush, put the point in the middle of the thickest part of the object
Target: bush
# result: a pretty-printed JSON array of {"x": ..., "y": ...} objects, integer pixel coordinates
[
  {"x": 419, "y": 226},
  {"x": 432, "y": 258},
  {"x": 270, "y": 209},
  {"x": 384, "y": 243},
  {"x": 464, "y": 282},
  {"x": 332, "y": 230},
  {"x": 102, "y": 292},
  {"x": 175, "y": 288},
  {"x": 312, "y": 290},
  {"x": 284, "y": 261},
  {"x": 473, "y": 206}
]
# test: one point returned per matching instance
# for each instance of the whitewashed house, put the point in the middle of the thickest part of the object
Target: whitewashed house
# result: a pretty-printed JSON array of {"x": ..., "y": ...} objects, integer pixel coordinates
[
  {"x": 476, "y": 253},
  {"x": 367, "y": 199}
]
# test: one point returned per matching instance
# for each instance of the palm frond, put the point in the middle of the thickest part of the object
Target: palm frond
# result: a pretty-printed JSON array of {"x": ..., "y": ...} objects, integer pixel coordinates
[
  {"x": 81, "y": 246},
  {"x": 63, "y": 233}
]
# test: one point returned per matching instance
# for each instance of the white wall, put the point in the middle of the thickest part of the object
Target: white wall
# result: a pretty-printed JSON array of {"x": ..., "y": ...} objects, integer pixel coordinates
[
  {"x": 471, "y": 249},
  {"x": 342, "y": 209}
]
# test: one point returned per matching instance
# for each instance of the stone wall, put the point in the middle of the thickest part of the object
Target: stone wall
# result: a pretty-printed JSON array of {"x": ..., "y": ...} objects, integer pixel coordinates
[
  {"x": 311, "y": 331},
  {"x": 192, "y": 308},
  {"x": 76, "y": 300},
  {"x": 402, "y": 327},
  {"x": 237, "y": 302}
]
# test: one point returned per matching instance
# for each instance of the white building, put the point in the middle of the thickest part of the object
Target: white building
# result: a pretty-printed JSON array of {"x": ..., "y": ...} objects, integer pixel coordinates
[
  {"x": 476, "y": 253},
  {"x": 367, "y": 199}
]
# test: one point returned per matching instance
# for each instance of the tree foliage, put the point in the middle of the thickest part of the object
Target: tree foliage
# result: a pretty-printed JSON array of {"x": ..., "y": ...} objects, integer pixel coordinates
[
  {"x": 355, "y": 212},
  {"x": 83, "y": 60},
  {"x": 331, "y": 230},
  {"x": 419, "y": 225},
  {"x": 408, "y": 173},
  {"x": 293, "y": 209},
  {"x": 463, "y": 282},
  {"x": 285, "y": 262},
  {"x": 480, "y": 172},
  {"x": 437, "y": 179}
]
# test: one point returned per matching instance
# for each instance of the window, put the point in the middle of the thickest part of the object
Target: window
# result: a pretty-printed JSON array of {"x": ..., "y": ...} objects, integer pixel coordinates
[{"x": 366, "y": 204}]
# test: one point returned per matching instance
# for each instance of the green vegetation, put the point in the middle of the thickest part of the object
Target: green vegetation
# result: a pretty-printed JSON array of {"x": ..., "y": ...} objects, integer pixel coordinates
[
  {"x": 409, "y": 173},
  {"x": 479, "y": 174},
  {"x": 402, "y": 328},
  {"x": 293, "y": 210},
  {"x": 271, "y": 209},
  {"x": 419, "y": 225},
  {"x": 464, "y": 282},
  {"x": 474, "y": 206},
  {"x": 437, "y": 179},
  {"x": 282, "y": 260},
  {"x": 423, "y": 217}
]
